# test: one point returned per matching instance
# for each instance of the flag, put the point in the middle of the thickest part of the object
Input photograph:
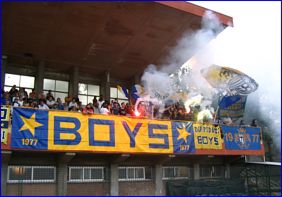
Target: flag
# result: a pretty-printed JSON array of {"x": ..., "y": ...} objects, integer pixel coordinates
[
  {"x": 235, "y": 109},
  {"x": 30, "y": 129},
  {"x": 5, "y": 117},
  {"x": 227, "y": 101},
  {"x": 241, "y": 138},
  {"x": 136, "y": 91},
  {"x": 228, "y": 79},
  {"x": 123, "y": 90},
  {"x": 183, "y": 137}
]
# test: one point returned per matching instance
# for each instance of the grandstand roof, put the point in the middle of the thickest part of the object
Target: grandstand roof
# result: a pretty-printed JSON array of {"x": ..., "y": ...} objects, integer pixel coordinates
[{"x": 97, "y": 36}]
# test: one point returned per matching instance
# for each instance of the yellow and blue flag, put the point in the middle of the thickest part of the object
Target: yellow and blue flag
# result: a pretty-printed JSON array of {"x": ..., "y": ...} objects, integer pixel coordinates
[
  {"x": 137, "y": 91},
  {"x": 229, "y": 108},
  {"x": 183, "y": 137},
  {"x": 227, "y": 101},
  {"x": 241, "y": 138},
  {"x": 123, "y": 90},
  {"x": 53, "y": 130},
  {"x": 5, "y": 117},
  {"x": 30, "y": 129}
]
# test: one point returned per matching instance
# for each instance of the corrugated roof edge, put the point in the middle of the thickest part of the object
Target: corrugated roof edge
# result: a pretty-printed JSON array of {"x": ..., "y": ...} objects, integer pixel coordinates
[
  {"x": 197, "y": 10},
  {"x": 266, "y": 163}
]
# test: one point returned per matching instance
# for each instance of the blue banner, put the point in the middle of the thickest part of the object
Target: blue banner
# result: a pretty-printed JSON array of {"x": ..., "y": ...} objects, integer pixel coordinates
[
  {"x": 241, "y": 138},
  {"x": 30, "y": 129},
  {"x": 227, "y": 101},
  {"x": 232, "y": 109},
  {"x": 123, "y": 90},
  {"x": 183, "y": 137}
]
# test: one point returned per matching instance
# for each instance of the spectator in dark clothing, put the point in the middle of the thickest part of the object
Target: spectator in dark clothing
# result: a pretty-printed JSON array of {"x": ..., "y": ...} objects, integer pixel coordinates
[
  {"x": 122, "y": 110},
  {"x": 49, "y": 94},
  {"x": 34, "y": 104},
  {"x": 180, "y": 113},
  {"x": 115, "y": 108},
  {"x": 95, "y": 102},
  {"x": 23, "y": 93},
  {"x": 254, "y": 123},
  {"x": 4, "y": 98},
  {"x": 33, "y": 94},
  {"x": 96, "y": 105},
  {"x": 129, "y": 109},
  {"x": 242, "y": 123},
  {"x": 13, "y": 93},
  {"x": 60, "y": 105}
]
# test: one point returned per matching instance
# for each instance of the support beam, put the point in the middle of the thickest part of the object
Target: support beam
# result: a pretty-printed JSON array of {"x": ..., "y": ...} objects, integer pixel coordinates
[
  {"x": 227, "y": 171},
  {"x": 73, "y": 89},
  {"x": 3, "y": 71},
  {"x": 62, "y": 173},
  {"x": 158, "y": 180},
  {"x": 6, "y": 156},
  {"x": 39, "y": 78},
  {"x": 106, "y": 86},
  {"x": 114, "y": 187},
  {"x": 196, "y": 171}
]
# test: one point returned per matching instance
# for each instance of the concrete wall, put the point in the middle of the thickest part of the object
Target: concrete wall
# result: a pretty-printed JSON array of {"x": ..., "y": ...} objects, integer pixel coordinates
[
  {"x": 154, "y": 186},
  {"x": 89, "y": 189},
  {"x": 31, "y": 189},
  {"x": 137, "y": 188}
]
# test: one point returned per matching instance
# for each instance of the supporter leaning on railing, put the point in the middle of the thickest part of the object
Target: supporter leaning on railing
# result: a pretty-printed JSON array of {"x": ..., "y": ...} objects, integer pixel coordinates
[
  {"x": 88, "y": 110},
  {"x": 173, "y": 111}
]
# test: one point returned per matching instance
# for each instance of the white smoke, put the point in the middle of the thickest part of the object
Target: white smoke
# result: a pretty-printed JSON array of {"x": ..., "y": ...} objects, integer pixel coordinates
[
  {"x": 236, "y": 52},
  {"x": 264, "y": 105},
  {"x": 159, "y": 84},
  {"x": 192, "y": 42},
  {"x": 254, "y": 50}
]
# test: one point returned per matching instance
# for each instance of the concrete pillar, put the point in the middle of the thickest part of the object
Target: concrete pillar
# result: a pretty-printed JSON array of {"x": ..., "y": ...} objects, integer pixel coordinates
[
  {"x": 196, "y": 171},
  {"x": 134, "y": 80},
  {"x": 227, "y": 171},
  {"x": 114, "y": 187},
  {"x": 158, "y": 180},
  {"x": 39, "y": 79},
  {"x": 62, "y": 178},
  {"x": 74, "y": 80},
  {"x": 6, "y": 155},
  {"x": 62, "y": 173},
  {"x": 3, "y": 71},
  {"x": 106, "y": 86}
]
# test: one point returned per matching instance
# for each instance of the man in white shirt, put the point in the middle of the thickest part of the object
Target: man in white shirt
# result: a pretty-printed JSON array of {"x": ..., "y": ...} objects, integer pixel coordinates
[
  {"x": 50, "y": 102},
  {"x": 100, "y": 102},
  {"x": 42, "y": 105},
  {"x": 73, "y": 104},
  {"x": 16, "y": 102},
  {"x": 104, "y": 109}
]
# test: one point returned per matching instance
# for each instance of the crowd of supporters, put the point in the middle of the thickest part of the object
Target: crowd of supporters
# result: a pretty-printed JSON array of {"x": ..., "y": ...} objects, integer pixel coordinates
[
  {"x": 19, "y": 98},
  {"x": 173, "y": 111}
]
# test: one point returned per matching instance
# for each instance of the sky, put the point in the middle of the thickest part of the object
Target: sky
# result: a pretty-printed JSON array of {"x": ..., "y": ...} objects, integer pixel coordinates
[{"x": 252, "y": 46}]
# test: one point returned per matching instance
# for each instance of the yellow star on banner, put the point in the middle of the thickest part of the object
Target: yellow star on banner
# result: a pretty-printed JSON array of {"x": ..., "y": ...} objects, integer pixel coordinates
[
  {"x": 30, "y": 124},
  {"x": 183, "y": 134}
]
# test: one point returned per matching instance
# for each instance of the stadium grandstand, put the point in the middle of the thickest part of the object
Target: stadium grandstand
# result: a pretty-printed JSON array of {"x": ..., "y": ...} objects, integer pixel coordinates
[{"x": 68, "y": 117}]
